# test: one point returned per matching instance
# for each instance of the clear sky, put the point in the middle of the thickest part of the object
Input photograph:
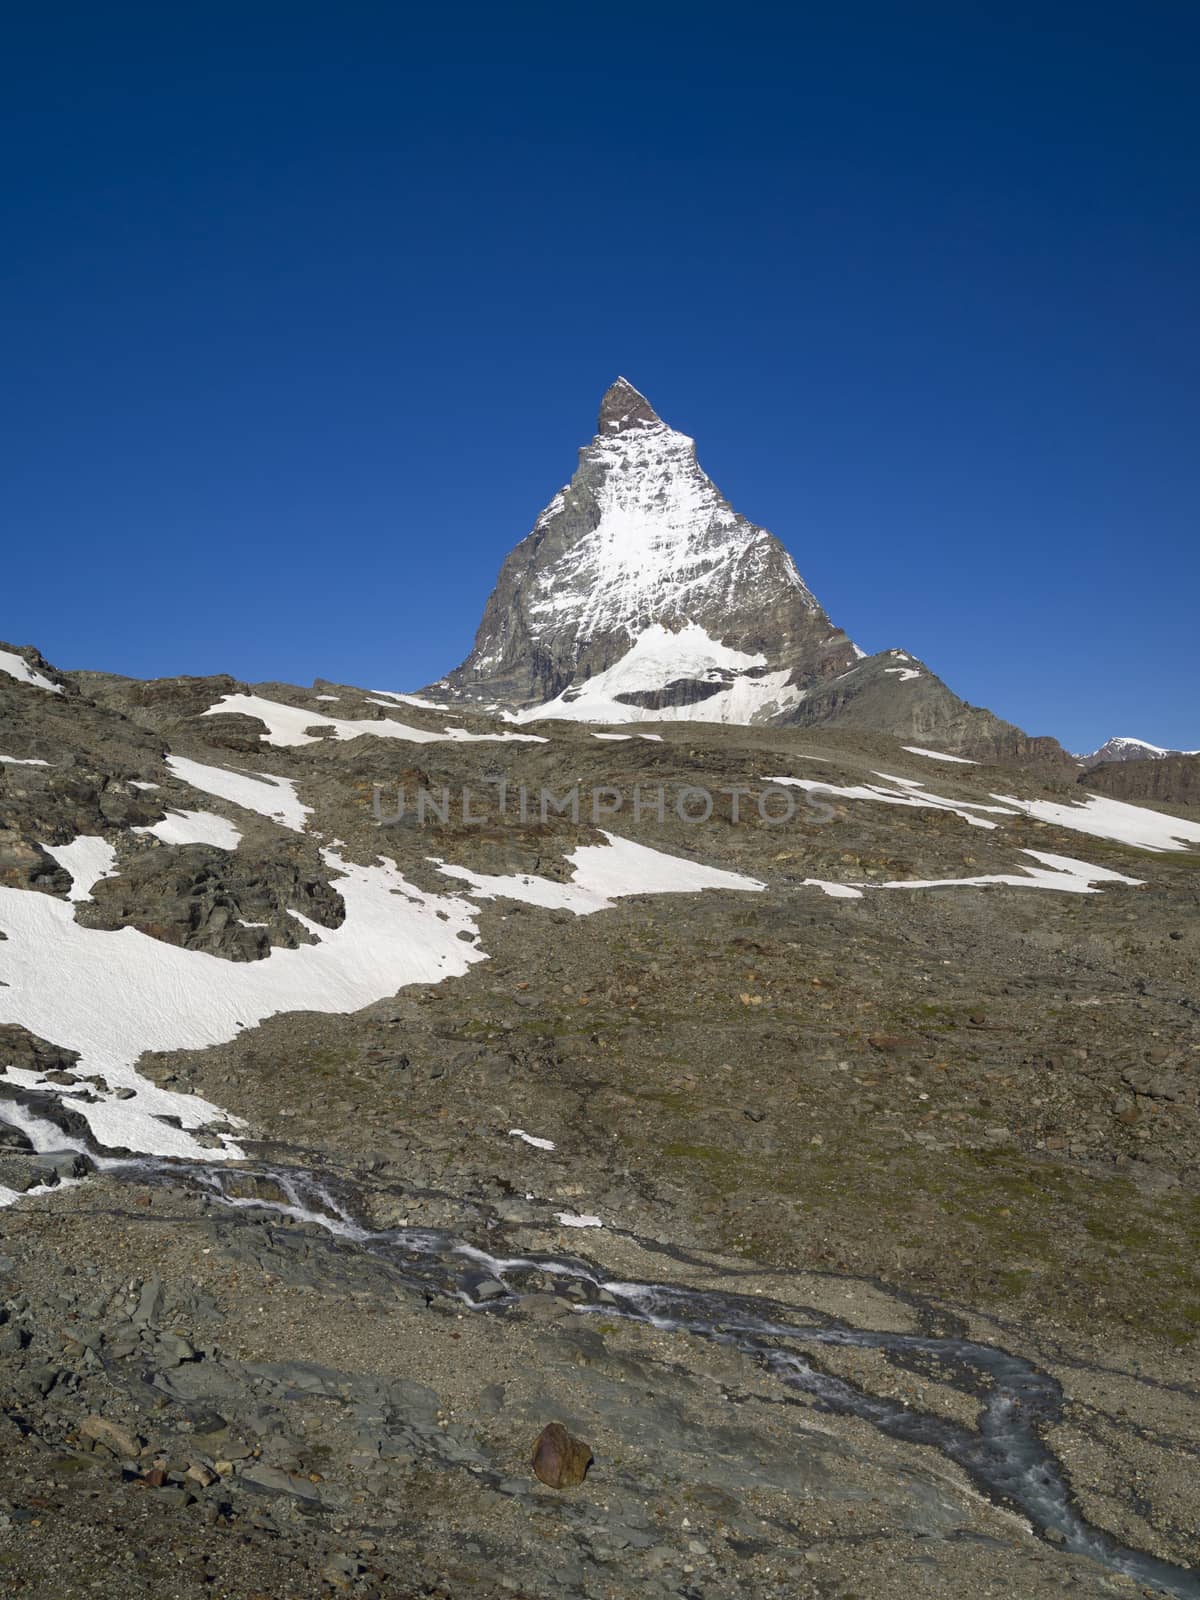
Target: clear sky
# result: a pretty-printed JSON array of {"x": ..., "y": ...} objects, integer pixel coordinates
[{"x": 306, "y": 309}]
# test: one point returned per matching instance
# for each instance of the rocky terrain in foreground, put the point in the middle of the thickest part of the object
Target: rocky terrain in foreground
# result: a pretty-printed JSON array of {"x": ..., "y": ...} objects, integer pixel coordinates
[{"x": 852, "y": 1226}]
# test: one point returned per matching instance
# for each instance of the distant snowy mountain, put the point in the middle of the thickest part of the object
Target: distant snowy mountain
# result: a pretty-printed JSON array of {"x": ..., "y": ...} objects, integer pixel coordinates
[
  {"x": 642, "y": 595},
  {"x": 1128, "y": 749}
]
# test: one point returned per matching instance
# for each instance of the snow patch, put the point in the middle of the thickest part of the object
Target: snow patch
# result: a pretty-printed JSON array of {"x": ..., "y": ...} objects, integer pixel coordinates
[
  {"x": 603, "y": 873},
  {"x": 16, "y": 666},
  {"x": 835, "y": 891},
  {"x": 411, "y": 700},
  {"x": 659, "y": 657},
  {"x": 910, "y": 792},
  {"x": 1113, "y": 819},
  {"x": 288, "y": 725},
  {"x": 269, "y": 796},
  {"x": 87, "y": 858},
  {"x": 110, "y": 995},
  {"x": 194, "y": 827},
  {"x": 938, "y": 755},
  {"x": 531, "y": 1138}
]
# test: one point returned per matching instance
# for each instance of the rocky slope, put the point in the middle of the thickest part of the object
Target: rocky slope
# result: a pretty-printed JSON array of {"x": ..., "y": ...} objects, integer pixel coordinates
[
  {"x": 834, "y": 1177},
  {"x": 1173, "y": 780},
  {"x": 641, "y": 593},
  {"x": 896, "y": 693}
]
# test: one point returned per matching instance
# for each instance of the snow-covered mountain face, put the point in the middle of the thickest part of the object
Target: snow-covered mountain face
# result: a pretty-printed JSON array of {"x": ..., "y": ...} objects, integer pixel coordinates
[
  {"x": 1127, "y": 749},
  {"x": 642, "y": 595},
  {"x": 642, "y": 592}
]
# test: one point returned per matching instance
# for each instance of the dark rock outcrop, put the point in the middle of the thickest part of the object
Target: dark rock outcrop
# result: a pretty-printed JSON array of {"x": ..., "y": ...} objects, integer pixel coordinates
[
  {"x": 1173, "y": 781},
  {"x": 235, "y": 904}
]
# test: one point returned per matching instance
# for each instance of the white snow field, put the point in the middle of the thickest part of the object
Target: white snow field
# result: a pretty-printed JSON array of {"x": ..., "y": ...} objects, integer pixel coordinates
[
  {"x": 1113, "y": 819},
  {"x": 194, "y": 827},
  {"x": 1056, "y": 872},
  {"x": 909, "y": 792},
  {"x": 658, "y": 657},
  {"x": 17, "y": 667},
  {"x": 112, "y": 995},
  {"x": 17, "y": 761},
  {"x": 87, "y": 858},
  {"x": 1097, "y": 815},
  {"x": 603, "y": 873},
  {"x": 287, "y": 725},
  {"x": 269, "y": 796}
]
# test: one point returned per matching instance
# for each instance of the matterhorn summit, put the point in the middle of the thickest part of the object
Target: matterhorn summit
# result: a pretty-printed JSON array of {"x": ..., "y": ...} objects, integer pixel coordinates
[
  {"x": 642, "y": 595},
  {"x": 642, "y": 592}
]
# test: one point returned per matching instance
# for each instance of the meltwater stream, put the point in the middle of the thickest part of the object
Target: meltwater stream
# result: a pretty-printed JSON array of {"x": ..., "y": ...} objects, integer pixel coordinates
[{"x": 1005, "y": 1457}]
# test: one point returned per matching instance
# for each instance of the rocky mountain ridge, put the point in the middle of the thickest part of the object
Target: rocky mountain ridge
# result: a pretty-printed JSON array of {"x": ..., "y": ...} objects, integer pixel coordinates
[
  {"x": 641, "y": 594},
  {"x": 1122, "y": 748}
]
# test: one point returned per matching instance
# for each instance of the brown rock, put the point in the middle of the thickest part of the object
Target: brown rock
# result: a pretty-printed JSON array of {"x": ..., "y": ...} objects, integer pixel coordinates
[
  {"x": 559, "y": 1459},
  {"x": 111, "y": 1435}
]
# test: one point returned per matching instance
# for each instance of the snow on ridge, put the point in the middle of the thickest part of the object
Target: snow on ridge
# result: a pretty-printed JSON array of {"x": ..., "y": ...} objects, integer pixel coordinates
[
  {"x": 287, "y": 725},
  {"x": 16, "y": 666},
  {"x": 19, "y": 761},
  {"x": 1120, "y": 743},
  {"x": 1123, "y": 741},
  {"x": 263, "y": 792}
]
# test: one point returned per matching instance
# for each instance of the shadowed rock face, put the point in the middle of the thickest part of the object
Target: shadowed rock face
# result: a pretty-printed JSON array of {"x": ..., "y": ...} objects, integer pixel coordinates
[
  {"x": 641, "y": 536},
  {"x": 623, "y": 409},
  {"x": 893, "y": 692},
  {"x": 1172, "y": 780}
]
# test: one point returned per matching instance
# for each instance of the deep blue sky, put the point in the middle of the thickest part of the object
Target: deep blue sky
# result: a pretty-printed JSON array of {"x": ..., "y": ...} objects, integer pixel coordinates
[{"x": 306, "y": 309}]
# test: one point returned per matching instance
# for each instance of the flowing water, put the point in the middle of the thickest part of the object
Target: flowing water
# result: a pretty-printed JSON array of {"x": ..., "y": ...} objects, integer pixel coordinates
[{"x": 1005, "y": 1456}]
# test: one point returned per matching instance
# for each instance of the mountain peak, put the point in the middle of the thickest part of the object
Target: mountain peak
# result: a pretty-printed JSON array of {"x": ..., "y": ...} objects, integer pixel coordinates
[{"x": 624, "y": 409}]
